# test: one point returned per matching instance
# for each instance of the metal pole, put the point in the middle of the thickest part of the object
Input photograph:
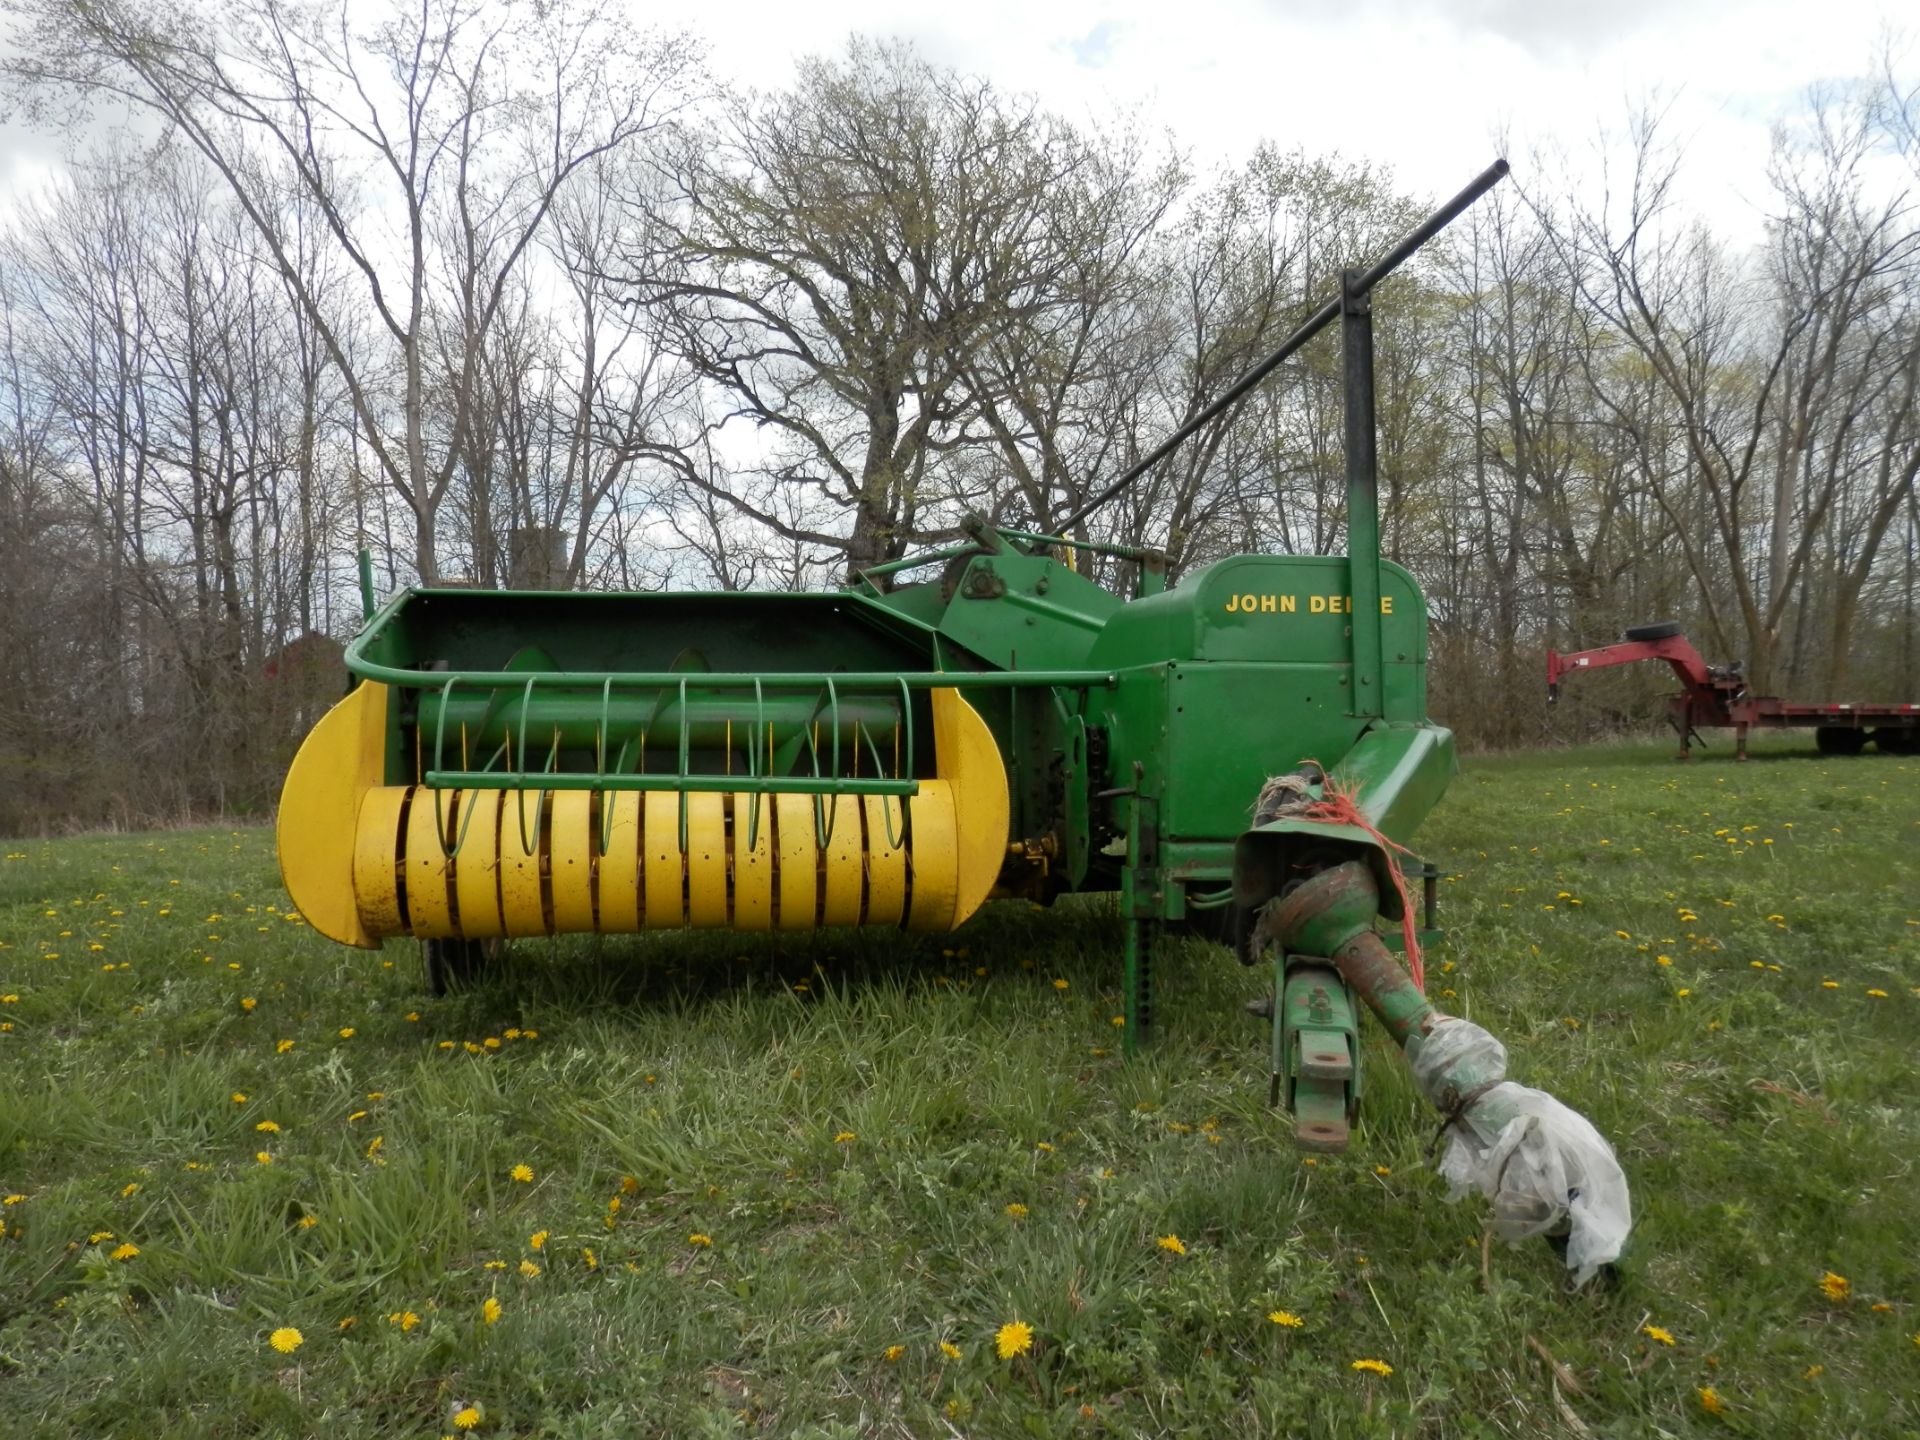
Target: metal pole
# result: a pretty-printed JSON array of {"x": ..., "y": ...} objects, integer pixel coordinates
[
  {"x": 367, "y": 606},
  {"x": 1315, "y": 323},
  {"x": 1363, "y": 496}
]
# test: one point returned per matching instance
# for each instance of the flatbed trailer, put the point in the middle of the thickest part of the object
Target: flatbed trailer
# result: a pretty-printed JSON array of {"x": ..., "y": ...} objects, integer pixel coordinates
[{"x": 1716, "y": 697}]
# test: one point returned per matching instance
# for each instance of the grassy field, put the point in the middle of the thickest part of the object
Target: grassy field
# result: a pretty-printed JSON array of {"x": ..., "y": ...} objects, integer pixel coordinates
[{"x": 720, "y": 1186}]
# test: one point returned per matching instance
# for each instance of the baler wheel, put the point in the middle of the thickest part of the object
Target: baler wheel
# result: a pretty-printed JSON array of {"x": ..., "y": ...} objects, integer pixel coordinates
[
  {"x": 456, "y": 964},
  {"x": 1659, "y": 630}
]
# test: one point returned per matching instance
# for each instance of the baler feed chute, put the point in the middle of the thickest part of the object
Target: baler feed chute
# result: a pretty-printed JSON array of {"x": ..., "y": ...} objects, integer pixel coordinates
[{"x": 540, "y": 800}]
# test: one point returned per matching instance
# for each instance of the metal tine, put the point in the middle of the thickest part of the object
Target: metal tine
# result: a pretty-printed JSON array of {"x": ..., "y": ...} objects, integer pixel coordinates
[
  {"x": 833, "y": 720},
  {"x": 879, "y": 768},
  {"x": 439, "y": 755},
  {"x": 753, "y": 764},
  {"x": 686, "y": 762},
  {"x": 520, "y": 769}
]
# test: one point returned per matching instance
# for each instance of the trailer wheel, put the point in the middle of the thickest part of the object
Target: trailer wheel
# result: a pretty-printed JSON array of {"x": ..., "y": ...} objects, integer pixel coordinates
[
  {"x": 1840, "y": 740},
  {"x": 1897, "y": 740},
  {"x": 1660, "y": 630},
  {"x": 457, "y": 964}
]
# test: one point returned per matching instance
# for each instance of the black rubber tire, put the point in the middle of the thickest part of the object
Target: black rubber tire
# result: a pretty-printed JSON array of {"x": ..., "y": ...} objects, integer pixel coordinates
[
  {"x": 1661, "y": 630},
  {"x": 1897, "y": 740},
  {"x": 1840, "y": 740},
  {"x": 452, "y": 965}
]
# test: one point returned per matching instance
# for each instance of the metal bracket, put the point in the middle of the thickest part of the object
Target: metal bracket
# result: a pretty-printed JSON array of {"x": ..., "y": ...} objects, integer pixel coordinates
[{"x": 1316, "y": 1052}]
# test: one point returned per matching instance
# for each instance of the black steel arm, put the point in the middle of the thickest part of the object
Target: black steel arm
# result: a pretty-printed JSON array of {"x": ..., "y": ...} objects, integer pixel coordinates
[{"x": 1315, "y": 323}]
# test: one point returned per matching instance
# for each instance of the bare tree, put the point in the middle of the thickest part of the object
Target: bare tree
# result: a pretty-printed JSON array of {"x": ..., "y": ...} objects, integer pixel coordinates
[{"x": 432, "y": 145}]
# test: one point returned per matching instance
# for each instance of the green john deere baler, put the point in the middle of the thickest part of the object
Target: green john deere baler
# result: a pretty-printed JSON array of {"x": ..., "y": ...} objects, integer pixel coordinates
[{"x": 905, "y": 749}]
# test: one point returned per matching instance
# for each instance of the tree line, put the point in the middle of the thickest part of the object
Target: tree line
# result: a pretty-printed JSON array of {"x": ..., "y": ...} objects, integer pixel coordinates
[{"x": 524, "y": 295}]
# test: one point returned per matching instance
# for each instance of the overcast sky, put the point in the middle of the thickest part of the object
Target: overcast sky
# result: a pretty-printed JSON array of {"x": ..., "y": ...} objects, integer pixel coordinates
[{"x": 1421, "y": 85}]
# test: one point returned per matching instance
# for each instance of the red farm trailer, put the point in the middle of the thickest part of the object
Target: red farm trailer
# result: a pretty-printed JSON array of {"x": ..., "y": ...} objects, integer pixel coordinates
[{"x": 1716, "y": 696}]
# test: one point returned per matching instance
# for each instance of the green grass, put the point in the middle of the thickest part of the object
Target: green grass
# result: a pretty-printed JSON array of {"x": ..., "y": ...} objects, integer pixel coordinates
[{"x": 1767, "y": 1121}]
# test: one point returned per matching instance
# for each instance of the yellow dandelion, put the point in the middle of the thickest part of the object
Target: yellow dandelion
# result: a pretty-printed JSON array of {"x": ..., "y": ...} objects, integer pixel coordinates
[
  {"x": 529, "y": 1269},
  {"x": 490, "y": 1311},
  {"x": 283, "y": 1047},
  {"x": 125, "y": 1252},
  {"x": 14, "y": 1200},
  {"x": 239, "y": 1097},
  {"x": 1878, "y": 994},
  {"x": 1017, "y": 1210},
  {"x": 845, "y": 1137},
  {"x": 522, "y": 1173},
  {"x": 1656, "y": 1333},
  {"x": 267, "y": 1127},
  {"x": 346, "y": 1032},
  {"x": 1060, "y": 985},
  {"x": 703, "y": 1242},
  {"x": 1382, "y": 1170},
  {"x": 1286, "y": 1319},
  {"x": 1829, "y": 984},
  {"x": 248, "y": 1002},
  {"x": 307, "y": 1222},
  {"x": 1172, "y": 1243},
  {"x": 405, "y": 1319},
  {"x": 286, "y": 1339},
  {"x": 1663, "y": 960},
  {"x": 1119, "y": 1020},
  {"x": 893, "y": 1353},
  {"x": 949, "y": 1349},
  {"x": 1813, "y": 1372},
  {"x": 263, "y": 1157},
  {"x": 593, "y": 1260},
  {"x": 1374, "y": 1367},
  {"x": 468, "y": 1417},
  {"x": 349, "y": 1322},
  {"x": 127, "y": 1190},
  {"x": 1013, "y": 1338},
  {"x": 373, "y": 1146},
  {"x": 537, "y": 1240},
  {"x": 1835, "y": 1287},
  {"x": 1711, "y": 1402}
]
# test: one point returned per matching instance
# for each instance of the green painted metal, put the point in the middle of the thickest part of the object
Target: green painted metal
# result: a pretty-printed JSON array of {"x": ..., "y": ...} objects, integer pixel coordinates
[{"x": 1316, "y": 1051}]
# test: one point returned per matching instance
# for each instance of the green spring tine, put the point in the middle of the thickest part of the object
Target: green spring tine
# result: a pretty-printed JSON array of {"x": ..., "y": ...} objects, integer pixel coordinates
[
  {"x": 686, "y": 762},
  {"x": 879, "y": 768},
  {"x": 906, "y": 715},
  {"x": 600, "y": 755},
  {"x": 753, "y": 764},
  {"x": 520, "y": 770},
  {"x": 833, "y": 712},
  {"x": 531, "y": 847},
  {"x": 439, "y": 755},
  {"x": 819, "y": 814},
  {"x": 606, "y": 811}
]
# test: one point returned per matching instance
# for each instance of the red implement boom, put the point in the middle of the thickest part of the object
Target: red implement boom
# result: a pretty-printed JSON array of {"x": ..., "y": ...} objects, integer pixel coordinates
[{"x": 1716, "y": 696}]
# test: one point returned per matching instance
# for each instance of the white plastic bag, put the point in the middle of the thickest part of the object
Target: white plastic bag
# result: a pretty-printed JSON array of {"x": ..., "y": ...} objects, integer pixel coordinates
[{"x": 1539, "y": 1163}]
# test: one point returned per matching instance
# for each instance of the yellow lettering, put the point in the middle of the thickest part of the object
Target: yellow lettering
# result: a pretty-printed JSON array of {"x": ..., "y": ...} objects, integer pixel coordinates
[
  {"x": 1287, "y": 605},
  {"x": 1386, "y": 604},
  {"x": 1318, "y": 604},
  {"x": 1268, "y": 605},
  {"x": 1233, "y": 603}
]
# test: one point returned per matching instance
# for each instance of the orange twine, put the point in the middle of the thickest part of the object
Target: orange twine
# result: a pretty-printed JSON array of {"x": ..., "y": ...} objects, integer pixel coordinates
[{"x": 1338, "y": 806}]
